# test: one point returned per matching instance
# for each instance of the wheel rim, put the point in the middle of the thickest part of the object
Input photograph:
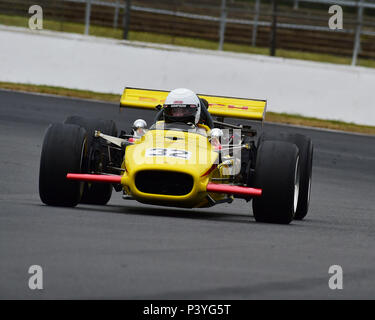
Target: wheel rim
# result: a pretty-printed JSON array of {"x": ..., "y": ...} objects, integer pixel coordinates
[
  {"x": 309, "y": 191},
  {"x": 296, "y": 186},
  {"x": 309, "y": 186}
]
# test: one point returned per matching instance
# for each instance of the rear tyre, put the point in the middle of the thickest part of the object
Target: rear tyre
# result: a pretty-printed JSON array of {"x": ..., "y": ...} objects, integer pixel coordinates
[
  {"x": 90, "y": 125},
  {"x": 277, "y": 173},
  {"x": 63, "y": 151},
  {"x": 95, "y": 193},
  {"x": 306, "y": 150}
]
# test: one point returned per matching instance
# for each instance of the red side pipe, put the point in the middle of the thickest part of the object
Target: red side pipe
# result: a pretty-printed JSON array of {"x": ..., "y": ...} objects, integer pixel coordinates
[
  {"x": 94, "y": 177},
  {"x": 224, "y": 188}
]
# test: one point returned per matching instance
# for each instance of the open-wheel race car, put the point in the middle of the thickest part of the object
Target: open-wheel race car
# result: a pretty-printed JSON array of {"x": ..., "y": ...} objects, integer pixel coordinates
[{"x": 179, "y": 164}]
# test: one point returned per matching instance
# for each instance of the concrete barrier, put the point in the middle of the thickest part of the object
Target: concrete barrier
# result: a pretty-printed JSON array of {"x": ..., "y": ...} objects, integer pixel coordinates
[{"x": 313, "y": 89}]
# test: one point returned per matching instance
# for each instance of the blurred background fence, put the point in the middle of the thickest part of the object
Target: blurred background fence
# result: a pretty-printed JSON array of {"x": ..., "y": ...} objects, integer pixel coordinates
[{"x": 296, "y": 25}]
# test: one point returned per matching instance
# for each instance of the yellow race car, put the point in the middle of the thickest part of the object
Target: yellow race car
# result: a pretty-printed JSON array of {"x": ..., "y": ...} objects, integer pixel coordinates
[{"x": 179, "y": 164}]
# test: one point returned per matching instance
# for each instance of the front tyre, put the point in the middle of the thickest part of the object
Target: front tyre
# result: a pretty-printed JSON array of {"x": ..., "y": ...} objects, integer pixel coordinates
[
  {"x": 63, "y": 151},
  {"x": 306, "y": 149},
  {"x": 277, "y": 173},
  {"x": 95, "y": 193}
]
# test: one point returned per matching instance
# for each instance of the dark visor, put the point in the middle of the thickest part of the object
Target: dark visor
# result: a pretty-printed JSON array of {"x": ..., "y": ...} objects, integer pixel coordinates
[{"x": 177, "y": 110}]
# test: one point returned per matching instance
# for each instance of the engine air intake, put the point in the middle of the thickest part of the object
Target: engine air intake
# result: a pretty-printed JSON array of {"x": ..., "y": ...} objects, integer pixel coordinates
[{"x": 164, "y": 182}]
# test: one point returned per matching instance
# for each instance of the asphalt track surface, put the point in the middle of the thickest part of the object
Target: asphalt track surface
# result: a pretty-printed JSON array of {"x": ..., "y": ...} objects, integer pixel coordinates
[{"x": 127, "y": 250}]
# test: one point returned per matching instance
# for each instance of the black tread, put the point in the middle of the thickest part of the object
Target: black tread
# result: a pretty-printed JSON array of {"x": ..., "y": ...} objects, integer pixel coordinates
[
  {"x": 95, "y": 193},
  {"x": 274, "y": 174},
  {"x": 306, "y": 150},
  {"x": 62, "y": 152}
]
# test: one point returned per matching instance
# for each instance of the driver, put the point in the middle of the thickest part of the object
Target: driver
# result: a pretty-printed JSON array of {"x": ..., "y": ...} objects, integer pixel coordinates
[{"x": 183, "y": 105}]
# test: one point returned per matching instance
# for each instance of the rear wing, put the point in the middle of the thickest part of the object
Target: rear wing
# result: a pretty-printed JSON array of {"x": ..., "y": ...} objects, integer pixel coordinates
[{"x": 225, "y": 107}]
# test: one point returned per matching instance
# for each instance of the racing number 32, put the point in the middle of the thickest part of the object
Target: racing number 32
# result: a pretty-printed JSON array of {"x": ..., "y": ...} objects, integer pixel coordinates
[{"x": 166, "y": 152}]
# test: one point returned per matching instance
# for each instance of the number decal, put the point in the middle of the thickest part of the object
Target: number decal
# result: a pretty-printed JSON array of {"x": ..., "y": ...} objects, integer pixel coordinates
[
  {"x": 164, "y": 152},
  {"x": 156, "y": 152}
]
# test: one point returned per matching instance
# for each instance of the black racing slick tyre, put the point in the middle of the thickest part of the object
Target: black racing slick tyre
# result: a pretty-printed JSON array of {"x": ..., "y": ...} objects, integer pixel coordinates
[
  {"x": 63, "y": 151},
  {"x": 95, "y": 193},
  {"x": 306, "y": 150},
  {"x": 277, "y": 173}
]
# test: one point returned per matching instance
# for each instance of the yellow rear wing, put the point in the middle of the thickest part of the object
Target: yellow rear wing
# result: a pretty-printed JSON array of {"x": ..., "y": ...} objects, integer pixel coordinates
[{"x": 250, "y": 109}]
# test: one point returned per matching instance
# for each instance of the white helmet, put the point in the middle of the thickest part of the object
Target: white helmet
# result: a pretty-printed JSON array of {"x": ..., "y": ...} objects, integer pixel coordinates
[{"x": 182, "y": 105}]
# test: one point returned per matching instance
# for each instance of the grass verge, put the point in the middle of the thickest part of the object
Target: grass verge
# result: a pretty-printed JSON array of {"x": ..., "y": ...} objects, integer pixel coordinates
[
  {"x": 270, "y": 116},
  {"x": 65, "y": 92}
]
